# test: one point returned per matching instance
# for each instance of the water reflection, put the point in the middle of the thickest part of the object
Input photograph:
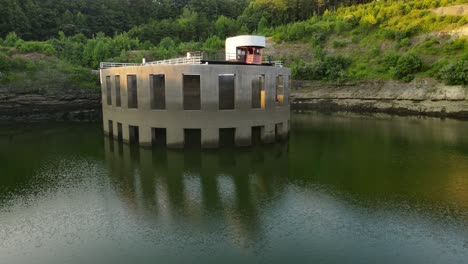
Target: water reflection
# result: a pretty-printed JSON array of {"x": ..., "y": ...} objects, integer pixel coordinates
[
  {"x": 345, "y": 188},
  {"x": 228, "y": 185}
]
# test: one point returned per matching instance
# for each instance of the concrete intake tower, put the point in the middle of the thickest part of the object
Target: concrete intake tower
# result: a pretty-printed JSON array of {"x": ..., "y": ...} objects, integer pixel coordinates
[{"x": 193, "y": 101}]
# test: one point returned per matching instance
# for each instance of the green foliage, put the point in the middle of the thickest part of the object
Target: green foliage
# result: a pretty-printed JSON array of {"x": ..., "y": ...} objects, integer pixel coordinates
[
  {"x": 406, "y": 67},
  {"x": 331, "y": 68},
  {"x": 455, "y": 72},
  {"x": 36, "y": 46}
]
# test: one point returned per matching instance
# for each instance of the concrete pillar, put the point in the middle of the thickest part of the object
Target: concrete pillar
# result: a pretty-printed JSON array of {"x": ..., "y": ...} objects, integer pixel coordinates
[
  {"x": 105, "y": 124},
  {"x": 209, "y": 91},
  {"x": 283, "y": 130},
  {"x": 270, "y": 87},
  {"x": 243, "y": 92},
  {"x": 175, "y": 137},
  {"x": 143, "y": 90},
  {"x": 145, "y": 136},
  {"x": 243, "y": 136},
  {"x": 210, "y": 137},
  {"x": 125, "y": 133},
  {"x": 268, "y": 133}
]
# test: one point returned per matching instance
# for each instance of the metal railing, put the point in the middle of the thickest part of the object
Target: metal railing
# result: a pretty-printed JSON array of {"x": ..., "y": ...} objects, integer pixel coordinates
[{"x": 191, "y": 58}]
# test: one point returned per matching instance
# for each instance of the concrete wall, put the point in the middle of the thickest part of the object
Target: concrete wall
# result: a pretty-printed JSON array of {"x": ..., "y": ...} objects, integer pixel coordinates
[{"x": 209, "y": 118}]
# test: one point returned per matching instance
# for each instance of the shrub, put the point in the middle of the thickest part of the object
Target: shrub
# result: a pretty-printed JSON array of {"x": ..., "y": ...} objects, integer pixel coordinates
[
  {"x": 406, "y": 67},
  {"x": 455, "y": 73},
  {"x": 36, "y": 46},
  {"x": 339, "y": 44}
]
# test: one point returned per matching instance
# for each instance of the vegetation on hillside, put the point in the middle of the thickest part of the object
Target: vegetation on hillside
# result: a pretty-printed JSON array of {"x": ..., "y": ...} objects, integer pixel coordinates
[{"x": 344, "y": 40}]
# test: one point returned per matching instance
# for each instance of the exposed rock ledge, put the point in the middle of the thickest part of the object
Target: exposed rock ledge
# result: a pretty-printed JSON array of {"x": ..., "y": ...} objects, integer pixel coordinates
[
  {"x": 59, "y": 107},
  {"x": 419, "y": 97}
]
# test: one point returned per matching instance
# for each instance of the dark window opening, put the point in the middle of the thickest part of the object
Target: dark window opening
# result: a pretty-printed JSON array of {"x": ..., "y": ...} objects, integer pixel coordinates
[
  {"x": 159, "y": 137},
  {"x": 279, "y": 89},
  {"x": 109, "y": 90},
  {"x": 132, "y": 91},
  {"x": 226, "y": 91},
  {"x": 119, "y": 132},
  {"x": 191, "y": 89},
  {"x": 227, "y": 137},
  {"x": 257, "y": 135},
  {"x": 192, "y": 138},
  {"x": 118, "y": 98},
  {"x": 134, "y": 134},
  {"x": 158, "y": 91},
  {"x": 258, "y": 91},
  {"x": 278, "y": 131},
  {"x": 110, "y": 127}
]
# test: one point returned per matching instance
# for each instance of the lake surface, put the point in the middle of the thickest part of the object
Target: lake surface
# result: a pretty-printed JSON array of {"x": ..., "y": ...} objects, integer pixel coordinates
[{"x": 345, "y": 189}]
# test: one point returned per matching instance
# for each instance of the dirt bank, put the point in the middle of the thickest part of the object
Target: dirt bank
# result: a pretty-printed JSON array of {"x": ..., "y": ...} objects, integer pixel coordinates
[
  {"x": 34, "y": 106},
  {"x": 419, "y": 97}
]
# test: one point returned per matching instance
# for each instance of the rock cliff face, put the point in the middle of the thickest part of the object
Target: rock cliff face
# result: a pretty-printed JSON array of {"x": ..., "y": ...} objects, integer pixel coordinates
[
  {"x": 419, "y": 97},
  {"x": 58, "y": 107}
]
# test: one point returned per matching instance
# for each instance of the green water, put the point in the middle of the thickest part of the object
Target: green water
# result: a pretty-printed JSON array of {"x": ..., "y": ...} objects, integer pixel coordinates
[{"x": 344, "y": 189}]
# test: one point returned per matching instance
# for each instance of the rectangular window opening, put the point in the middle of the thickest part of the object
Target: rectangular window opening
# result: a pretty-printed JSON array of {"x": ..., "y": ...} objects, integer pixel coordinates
[
  {"x": 257, "y": 135},
  {"x": 258, "y": 91},
  {"x": 119, "y": 132},
  {"x": 132, "y": 91},
  {"x": 191, "y": 90},
  {"x": 226, "y": 91},
  {"x": 192, "y": 138},
  {"x": 134, "y": 134},
  {"x": 110, "y": 127},
  {"x": 227, "y": 137},
  {"x": 279, "y": 89},
  {"x": 118, "y": 98},
  {"x": 109, "y": 90},
  {"x": 278, "y": 131},
  {"x": 159, "y": 137},
  {"x": 158, "y": 91}
]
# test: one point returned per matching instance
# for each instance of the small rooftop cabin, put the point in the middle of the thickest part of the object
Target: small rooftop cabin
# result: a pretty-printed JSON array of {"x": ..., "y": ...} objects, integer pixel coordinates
[{"x": 246, "y": 48}]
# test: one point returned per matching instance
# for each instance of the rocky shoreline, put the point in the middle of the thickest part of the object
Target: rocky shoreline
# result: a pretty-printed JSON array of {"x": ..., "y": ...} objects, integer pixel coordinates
[
  {"x": 36, "y": 106},
  {"x": 419, "y": 97}
]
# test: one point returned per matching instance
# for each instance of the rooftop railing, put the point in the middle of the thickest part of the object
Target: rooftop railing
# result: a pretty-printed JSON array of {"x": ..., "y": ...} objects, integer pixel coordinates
[{"x": 191, "y": 58}]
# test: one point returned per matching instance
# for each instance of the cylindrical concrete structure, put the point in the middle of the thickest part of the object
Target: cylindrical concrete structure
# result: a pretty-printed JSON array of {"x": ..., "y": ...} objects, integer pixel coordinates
[{"x": 172, "y": 101}]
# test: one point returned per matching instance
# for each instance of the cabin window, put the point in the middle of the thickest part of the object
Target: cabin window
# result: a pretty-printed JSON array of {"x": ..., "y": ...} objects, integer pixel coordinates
[
  {"x": 109, "y": 90},
  {"x": 191, "y": 90},
  {"x": 279, "y": 89},
  {"x": 132, "y": 91},
  {"x": 258, "y": 91},
  {"x": 158, "y": 91},
  {"x": 118, "y": 98},
  {"x": 226, "y": 84}
]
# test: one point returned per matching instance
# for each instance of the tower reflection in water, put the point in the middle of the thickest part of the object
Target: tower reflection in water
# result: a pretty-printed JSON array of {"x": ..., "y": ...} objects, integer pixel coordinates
[{"x": 203, "y": 189}]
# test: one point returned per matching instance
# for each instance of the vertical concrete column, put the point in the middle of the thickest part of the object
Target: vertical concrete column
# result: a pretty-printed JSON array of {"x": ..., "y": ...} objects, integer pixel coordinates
[
  {"x": 143, "y": 88},
  {"x": 105, "y": 124},
  {"x": 210, "y": 137},
  {"x": 287, "y": 88},
  {"x": 174, "y": 93},
  {"x": 209, "y": 90},
  {"x": 116, "y": 129},
  {"x": 268, "y": 133},
  {"x": 243, "y": 90},
  {"x": 283, "y": 130},
  {"x": 145, "y": 136},
  {"x": 243, "y": 136},
  {"x": 175, "y": 137},
  {"x": 270, "y": 87},
  {"x": 125, "y": 133},
  {"x": 124, "y": 88}
]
